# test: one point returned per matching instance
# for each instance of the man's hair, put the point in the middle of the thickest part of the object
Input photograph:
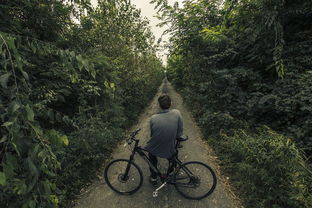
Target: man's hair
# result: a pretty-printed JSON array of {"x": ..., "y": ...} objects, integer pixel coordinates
[{"x": 164, "y": 101}]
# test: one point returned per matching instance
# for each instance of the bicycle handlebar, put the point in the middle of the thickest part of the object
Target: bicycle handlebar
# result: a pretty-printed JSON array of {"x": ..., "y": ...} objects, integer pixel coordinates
[
  {"x": 134, "y": 133},
  {"x": 132, "y": 136}
]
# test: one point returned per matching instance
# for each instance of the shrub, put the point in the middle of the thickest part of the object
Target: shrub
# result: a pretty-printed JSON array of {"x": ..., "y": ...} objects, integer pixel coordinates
[{"x": 266, "y": 167}]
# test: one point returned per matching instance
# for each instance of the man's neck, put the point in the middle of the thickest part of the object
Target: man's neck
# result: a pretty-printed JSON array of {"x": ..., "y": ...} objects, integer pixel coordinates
[{"x": 164, "y": 110}]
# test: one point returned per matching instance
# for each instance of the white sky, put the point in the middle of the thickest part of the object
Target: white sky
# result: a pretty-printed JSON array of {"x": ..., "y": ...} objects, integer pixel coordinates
[{"x": 147, "y": 10}]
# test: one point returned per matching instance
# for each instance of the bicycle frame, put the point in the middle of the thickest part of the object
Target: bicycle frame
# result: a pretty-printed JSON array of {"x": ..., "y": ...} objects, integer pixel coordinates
[{"x": 142, "y": 153}]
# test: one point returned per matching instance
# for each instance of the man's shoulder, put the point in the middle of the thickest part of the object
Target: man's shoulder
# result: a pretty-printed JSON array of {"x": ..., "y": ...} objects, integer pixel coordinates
[
  {"x": 176, "y": 111},
  {"x": 153, "y": 116},
  {"x": 172, "y": 111}
]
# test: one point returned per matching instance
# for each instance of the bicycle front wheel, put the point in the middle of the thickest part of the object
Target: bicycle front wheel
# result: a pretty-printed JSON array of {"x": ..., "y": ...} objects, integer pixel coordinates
[
  {"x": 195, "y": 180},
  {"x": 123, "y": 176}
]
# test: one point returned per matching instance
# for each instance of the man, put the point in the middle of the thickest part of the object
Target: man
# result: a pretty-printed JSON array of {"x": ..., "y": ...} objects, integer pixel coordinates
[{"x": 165, "y": 126}]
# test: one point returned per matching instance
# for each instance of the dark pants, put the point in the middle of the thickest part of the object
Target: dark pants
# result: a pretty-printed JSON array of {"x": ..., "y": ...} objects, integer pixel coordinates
[{"x": 154, "y": 161}]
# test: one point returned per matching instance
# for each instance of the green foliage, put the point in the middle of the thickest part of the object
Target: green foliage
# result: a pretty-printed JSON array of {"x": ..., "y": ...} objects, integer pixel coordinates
[
  {"x": 64, "y": 93},
  {"x": 247, "y": 63},
  {"x": 267, "y": 168},
  {"x": 231, "y": 58},
  {"x": 91, "y": 146}
]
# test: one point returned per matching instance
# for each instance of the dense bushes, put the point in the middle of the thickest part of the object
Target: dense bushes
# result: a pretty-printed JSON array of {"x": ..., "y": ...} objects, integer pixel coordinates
[
  {"x": 284, "y": 104},
  {"x": 266, "y": 167},
  {"x": 232, "y": 59},
  {"x": 67, "y": 93},
  {"x": 243, "y": 64},
  {"x": 80, "y": 161}
]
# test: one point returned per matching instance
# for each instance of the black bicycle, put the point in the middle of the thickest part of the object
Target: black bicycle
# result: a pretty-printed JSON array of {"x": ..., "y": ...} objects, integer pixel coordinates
[{"x": 193, "y": 180}]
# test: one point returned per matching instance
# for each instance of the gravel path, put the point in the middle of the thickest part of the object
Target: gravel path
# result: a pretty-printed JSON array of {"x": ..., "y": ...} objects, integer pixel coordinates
[{"x": 99, "y": 195}]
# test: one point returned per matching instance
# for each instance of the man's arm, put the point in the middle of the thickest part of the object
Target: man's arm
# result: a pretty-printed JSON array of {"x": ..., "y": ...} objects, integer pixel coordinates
[{"x": 180, "y": 125}]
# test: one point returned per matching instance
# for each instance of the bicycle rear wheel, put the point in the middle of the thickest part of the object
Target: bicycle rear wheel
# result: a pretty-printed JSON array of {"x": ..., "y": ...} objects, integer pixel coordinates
[
  {"x": 195, "y": 180},
  {"x": 123, "y": 176}
]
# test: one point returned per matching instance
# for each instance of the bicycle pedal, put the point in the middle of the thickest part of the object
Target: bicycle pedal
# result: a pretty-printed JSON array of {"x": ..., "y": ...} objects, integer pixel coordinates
[{"x": 155, "y": 194}]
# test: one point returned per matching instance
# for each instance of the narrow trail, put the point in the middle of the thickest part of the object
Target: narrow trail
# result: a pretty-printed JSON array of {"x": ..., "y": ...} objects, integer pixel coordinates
[{"x": 99, "y": 195}]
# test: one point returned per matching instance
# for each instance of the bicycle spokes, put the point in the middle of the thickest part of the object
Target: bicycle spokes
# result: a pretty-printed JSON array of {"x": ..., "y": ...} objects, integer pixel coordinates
[
  {"x": 123, "y": 176},
  {"x": 195, "y": 180}
]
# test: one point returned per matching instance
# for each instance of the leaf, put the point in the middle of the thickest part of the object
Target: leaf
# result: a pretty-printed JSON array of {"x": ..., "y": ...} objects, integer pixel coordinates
[
  {"x": 16, "y": 55},
  {"x": 4, "y": 80},
  {"x": 32, "y": 184},
  {"x": 54, "y": 199},
  {"x": 30, "y": 113},
  {"x": 93, "y": 74},
  {"x": 8, "y": 123},
  {"x": 25, "y": 75},
  {"x": 16, "y": 149},
  {"x": 29, "y": 203},
  {"x": 20, "y": 187},
  {"x": 72, "y": 54},
  {"x": 8, "y": 169},
  {"x": 85, "y": 64},
  {"x": 79, "y": 61},
  {"x": 3, "y": 139},
  {"x": 2, "y": 179},
  {"x": 112, "y": 85},
  {"x": 106, "y": 84},
  {"x": 33, "y": 169},
  {"x": 14, "y": 106},
  {"x": 64, "y": 140},
  {"x": 33, "y": 48},
  {"x": 46, "y": 187}
]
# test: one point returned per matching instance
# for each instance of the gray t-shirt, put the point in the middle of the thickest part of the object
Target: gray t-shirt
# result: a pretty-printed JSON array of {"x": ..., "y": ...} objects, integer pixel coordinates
[{"x": 165, "y": 127}]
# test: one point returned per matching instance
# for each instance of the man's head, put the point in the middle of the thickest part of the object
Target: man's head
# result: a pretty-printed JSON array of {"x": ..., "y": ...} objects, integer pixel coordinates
[{"x": 164, "y": 101}]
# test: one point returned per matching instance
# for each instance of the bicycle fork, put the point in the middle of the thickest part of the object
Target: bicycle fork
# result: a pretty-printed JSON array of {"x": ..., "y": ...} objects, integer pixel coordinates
[{"x": 155, "y": 193}]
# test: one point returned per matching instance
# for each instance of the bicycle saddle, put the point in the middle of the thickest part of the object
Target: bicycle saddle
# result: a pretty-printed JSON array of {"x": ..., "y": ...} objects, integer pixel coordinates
[{"x": 182, "y": 138}]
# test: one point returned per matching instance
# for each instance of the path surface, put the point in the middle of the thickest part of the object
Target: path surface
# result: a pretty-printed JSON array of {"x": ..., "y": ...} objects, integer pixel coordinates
[{"x": 99, "y": 195}]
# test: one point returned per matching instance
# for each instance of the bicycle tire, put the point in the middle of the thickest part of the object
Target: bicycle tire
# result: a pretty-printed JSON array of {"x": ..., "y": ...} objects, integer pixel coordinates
[
  {"x": 114, "y": 173},
  {"x": 186, "y": 185}
]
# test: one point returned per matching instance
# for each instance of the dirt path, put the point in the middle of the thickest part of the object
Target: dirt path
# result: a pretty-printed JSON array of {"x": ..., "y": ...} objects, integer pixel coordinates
[{"x": 98, "y": 195}]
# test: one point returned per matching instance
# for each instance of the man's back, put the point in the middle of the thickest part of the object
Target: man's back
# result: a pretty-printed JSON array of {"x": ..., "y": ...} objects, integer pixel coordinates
[{"x": 165, "y": 126}]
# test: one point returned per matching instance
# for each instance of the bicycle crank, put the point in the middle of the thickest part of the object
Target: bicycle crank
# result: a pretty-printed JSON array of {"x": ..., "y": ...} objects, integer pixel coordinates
[{"x": 155, "y": 193}]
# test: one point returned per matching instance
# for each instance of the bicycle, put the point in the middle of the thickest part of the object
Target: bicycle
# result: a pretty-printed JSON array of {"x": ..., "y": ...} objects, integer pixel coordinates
[{"x": 186, "y": 177}]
